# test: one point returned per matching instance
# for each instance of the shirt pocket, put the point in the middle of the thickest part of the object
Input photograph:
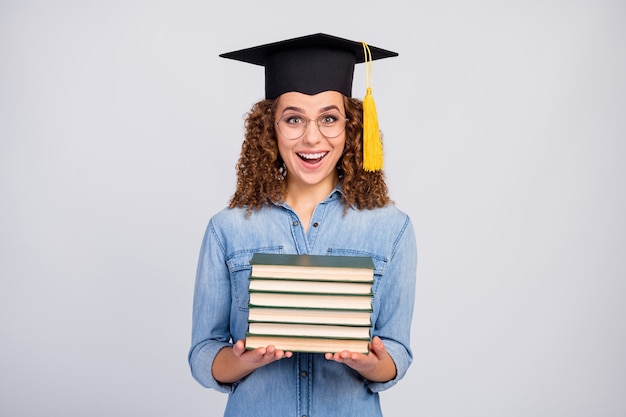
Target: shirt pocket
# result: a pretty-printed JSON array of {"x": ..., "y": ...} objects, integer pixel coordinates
[
  {"x": 380, "y": 263},
  {"x": 239, "y": 268}
]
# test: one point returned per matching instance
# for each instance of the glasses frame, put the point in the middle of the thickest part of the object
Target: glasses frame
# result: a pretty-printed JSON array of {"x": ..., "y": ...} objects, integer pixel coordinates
[{"x": 317, "y": 123}]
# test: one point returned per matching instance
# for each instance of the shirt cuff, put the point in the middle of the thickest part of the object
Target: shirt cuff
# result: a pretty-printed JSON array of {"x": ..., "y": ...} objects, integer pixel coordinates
[
  {"x": 201, "y": 361},
  {"x": 401, "y": 359}
]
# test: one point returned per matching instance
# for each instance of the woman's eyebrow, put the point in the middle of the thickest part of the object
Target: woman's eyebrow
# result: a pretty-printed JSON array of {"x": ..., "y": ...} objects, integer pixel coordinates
[
  {"x": 300, "y": 110},
  {"x": 293, "y": 108},
  {"x": 327, "y": 108}
]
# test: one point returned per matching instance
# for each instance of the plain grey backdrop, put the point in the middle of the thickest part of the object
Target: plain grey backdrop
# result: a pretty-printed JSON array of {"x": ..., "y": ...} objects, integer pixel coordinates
[{"x": 505, "y": 141}]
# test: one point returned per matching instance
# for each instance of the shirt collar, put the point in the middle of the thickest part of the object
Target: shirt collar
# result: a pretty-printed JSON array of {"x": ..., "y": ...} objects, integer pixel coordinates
[{"x": 335, "y": 194}]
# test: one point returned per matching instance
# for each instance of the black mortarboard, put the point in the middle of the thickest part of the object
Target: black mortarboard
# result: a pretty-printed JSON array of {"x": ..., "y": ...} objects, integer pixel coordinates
[{"x": 308, "y": 64}]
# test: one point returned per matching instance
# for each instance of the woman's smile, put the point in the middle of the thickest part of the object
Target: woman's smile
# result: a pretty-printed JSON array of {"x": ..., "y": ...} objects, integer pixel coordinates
[{"x": 312, "y": 158}]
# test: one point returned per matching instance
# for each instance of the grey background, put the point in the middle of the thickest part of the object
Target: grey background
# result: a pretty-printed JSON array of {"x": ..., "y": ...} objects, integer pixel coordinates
[{"x": 505, "y": 139}]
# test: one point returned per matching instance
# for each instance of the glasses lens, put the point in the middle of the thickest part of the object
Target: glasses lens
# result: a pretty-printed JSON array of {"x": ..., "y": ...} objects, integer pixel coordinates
[
  {"x": 330, "y": 125},
  {"x": 292, "y": 126}
]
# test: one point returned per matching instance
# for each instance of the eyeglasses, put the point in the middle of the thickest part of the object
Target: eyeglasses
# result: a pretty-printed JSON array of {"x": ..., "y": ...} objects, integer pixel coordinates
[{"x": 293, "y": 125}]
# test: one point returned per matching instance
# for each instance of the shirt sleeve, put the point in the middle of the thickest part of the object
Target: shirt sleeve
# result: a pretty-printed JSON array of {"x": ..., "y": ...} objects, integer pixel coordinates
[
  {"x": 393, "y": 323},
  {"x": 211, "y": 311}
]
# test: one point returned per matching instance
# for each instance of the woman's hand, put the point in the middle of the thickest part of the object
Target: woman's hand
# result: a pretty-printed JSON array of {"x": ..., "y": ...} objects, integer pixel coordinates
[
  {"x": 259, "y": 356},
  {"x": 233, "y": 363},
  {"x": 377, "y": 366}
]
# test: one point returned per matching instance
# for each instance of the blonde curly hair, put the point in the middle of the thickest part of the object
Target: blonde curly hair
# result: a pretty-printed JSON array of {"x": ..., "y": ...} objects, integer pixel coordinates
[{"x": 261, "y": 171}]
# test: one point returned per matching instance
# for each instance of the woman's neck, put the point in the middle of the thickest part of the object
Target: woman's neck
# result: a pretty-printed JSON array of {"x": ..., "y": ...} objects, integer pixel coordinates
[{"x": 303, "y": 198}]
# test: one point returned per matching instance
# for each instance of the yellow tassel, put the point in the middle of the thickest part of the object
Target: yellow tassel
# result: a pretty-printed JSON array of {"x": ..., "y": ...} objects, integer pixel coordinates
[{"x": 372, "y": 144}]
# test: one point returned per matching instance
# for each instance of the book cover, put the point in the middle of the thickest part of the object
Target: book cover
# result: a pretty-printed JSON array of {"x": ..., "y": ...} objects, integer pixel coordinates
[
  {"x": 330, "y": 301},
  {"x": 307, "y": 344},
  {"x": 312, "y": 316},
  {"x": 316, "y": 267},
  {"x": 310, "y": 330},
  {"x": 302, "y": 286}
]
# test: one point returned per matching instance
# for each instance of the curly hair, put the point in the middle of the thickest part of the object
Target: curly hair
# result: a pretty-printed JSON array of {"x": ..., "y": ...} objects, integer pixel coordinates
[{"x": 261, "y": 171}]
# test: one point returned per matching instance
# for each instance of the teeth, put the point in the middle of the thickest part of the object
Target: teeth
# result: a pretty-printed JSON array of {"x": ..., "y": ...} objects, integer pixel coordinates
[{"x": 312, "y": 155}]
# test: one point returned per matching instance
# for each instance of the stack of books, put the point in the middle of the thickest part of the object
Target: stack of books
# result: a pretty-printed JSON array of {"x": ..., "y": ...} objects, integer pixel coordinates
[{"x": 310, "y": 303}]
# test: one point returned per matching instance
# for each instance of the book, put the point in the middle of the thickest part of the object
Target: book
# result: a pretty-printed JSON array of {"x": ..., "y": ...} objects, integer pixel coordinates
[
  {"x": 307, "y": 344},
  {"x": 309, "y": 315},
  {"x": 310, "y": 303},
  {"x": 304, "y": 300},
  {"x": 308, "y": 286},
  {"x": 309, "y": 330},
  {"x": 315, "y": 267}
]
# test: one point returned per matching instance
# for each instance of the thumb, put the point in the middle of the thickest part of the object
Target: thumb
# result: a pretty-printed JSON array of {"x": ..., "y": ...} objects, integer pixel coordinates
[
  {"x": 378, "y": 347},
  {"x": 239, "y": 348}
]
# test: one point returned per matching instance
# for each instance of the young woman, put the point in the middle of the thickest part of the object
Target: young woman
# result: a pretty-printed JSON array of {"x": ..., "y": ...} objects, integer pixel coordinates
[{"x": 302, "y": 189}]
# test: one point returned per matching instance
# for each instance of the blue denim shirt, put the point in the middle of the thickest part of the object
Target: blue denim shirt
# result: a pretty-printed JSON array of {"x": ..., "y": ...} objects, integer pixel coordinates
[{"x": 305, "y": 384}]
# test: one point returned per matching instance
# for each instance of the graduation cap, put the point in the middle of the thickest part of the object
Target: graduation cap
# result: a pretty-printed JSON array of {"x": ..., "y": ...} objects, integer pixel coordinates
[{"x": 316, "y": 63}]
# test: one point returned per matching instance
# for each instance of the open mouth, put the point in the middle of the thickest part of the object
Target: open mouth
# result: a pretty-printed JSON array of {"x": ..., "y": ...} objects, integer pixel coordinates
[{"x": 312, "y": 158}]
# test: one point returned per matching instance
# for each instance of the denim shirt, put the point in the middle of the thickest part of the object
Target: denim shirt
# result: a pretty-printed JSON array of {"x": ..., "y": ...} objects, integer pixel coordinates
[{"x": 306, "y": 384}]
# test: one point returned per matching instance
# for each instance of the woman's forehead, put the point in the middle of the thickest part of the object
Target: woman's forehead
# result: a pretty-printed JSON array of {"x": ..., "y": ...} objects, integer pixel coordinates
[{"x": 310, "y": 103}]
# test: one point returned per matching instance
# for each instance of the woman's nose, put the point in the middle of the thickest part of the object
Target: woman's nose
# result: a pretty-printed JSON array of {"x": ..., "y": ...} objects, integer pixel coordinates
[{"x": 312, "y": 133}]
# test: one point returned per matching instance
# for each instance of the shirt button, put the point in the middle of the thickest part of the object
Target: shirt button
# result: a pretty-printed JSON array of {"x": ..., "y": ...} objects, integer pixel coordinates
[
  {"x": 316, "y": 224},
  {"x": 295, "y": 223},
  {"x": 304, "y": 374}
]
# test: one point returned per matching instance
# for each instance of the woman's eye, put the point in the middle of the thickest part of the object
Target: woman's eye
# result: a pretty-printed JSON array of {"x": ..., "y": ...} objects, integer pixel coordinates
[
  {"x": 295, "y": 120},
  {"x": 329, "y": 119}
]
